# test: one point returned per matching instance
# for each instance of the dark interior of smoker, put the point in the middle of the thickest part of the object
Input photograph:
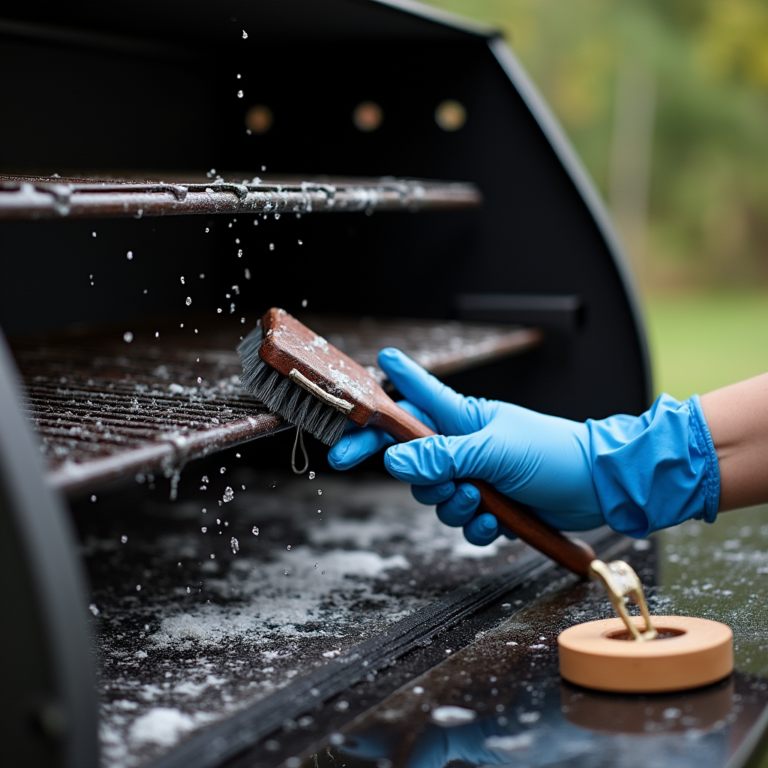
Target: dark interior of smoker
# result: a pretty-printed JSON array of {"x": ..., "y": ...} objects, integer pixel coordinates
[{"x": 149, "y": 90}]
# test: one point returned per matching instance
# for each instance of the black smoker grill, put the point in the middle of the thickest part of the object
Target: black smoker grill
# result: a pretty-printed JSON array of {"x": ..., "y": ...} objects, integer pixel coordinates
[{"x": 456, "y": 223}]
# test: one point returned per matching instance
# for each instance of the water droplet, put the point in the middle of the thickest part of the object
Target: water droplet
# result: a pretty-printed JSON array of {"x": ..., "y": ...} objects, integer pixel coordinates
[
  {"x": 207, "y": 230},
  {"x": 129, "y": 255},
  {"x": 319, "y": 511},
  {"x": 247, "y": 274},
  {"x": 322, "y": 573},
  {"x": 138, "y": 587},
  {"x": 235, "y": 544},
  {"x": 213, "y": 557},
  {"x": 188, "y": 301},
  {"x": 312, "y": 475},
  {"x": 188, "y": 590},
  {"x": 229, "y": 494},
  {"x": 255, "y": 530},
  {"x": 319, "y": 492},
  {"x": 285, "y": 571},
  {"x": 288, "y": 547},
  {"x": 93, "y": 234},
  {"x": 93, "y": 497},
  {"x": 223, "y": 470},
  {"x": 239, "y": 94},
  {"x": 418, "y": 690},
  {"x": 218, "y": 310},
  {"x": 204, "y": 529},
  {"x": 240, "y": 253},
  {"x": 127, "y": 337},
  {"x": 94, "y": 609},
  {"x": 245, "y": 35},
  {"x": 263, "y": 167},
  {"x": 315, "y": 565},
  {"x": 277, "y": 216},
  {"x": 157, "y": 334},
  {"x": 271, "y": 246},
  {"x": 239, "y": 76},
  {"x": 182, "y": 279},
  {"x": 124, "y": 539}
]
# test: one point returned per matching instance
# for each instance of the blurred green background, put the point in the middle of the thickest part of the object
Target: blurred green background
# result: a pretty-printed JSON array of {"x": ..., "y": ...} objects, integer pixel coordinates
[{"x": 666, "y": 102}]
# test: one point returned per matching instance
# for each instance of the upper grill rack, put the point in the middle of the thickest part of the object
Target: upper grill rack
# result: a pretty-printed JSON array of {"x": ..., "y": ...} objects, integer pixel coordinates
[
  {"x": 38, "y": 197},
  {"x": 104, "y": 409}
]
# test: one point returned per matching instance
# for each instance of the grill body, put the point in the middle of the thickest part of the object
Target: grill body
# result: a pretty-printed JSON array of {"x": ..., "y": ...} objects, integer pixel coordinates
[{"x": 106, "y": 89}]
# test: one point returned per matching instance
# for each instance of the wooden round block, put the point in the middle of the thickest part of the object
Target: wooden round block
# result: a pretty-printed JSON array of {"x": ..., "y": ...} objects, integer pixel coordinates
[{"x": 691, "y": 653}]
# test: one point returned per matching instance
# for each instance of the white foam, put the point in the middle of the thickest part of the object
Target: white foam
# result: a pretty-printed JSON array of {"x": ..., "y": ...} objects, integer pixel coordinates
[
  {"x": 449, "y": 717},
  {"x": 161, "y": 725}
]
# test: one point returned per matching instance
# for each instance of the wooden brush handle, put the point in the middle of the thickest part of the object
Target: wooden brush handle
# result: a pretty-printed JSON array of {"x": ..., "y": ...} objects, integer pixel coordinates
[{"x": 574, "y": 554}]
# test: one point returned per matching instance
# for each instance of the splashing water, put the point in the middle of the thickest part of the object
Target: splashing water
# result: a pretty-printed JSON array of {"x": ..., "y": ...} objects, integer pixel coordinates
[{"x": 229, "y": 494}]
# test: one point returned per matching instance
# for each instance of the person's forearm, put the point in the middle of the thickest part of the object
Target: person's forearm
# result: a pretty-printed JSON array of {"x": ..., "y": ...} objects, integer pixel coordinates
[{"x": 737, "y": 417}]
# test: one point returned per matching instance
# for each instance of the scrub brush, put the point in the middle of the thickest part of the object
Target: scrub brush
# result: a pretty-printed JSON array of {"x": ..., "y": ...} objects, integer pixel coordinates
[{"x": 300, "y": 376}]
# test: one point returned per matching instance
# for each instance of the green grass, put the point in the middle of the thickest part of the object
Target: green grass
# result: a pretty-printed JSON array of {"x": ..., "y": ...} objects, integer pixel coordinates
[{"x": 700, "y": 342}]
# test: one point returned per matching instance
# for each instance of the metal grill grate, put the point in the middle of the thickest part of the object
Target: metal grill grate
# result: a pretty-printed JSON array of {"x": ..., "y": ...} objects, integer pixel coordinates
[
  {"x": 44, "y": 197},
  {"x": 105, "y": 409}
]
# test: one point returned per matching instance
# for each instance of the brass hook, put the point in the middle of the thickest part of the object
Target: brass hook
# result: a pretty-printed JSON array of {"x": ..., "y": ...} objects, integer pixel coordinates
[{"x": 621, "y": 582}]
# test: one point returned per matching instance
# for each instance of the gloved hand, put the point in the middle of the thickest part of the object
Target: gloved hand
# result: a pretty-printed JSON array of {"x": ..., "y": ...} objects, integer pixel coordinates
[{"x": 637, "y": 474}]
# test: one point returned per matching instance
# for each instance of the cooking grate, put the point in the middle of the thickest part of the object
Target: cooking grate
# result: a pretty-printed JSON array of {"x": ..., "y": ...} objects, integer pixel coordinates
[
  {"x": 38, "y": 197},
  {"x": 104, "y": 409}
]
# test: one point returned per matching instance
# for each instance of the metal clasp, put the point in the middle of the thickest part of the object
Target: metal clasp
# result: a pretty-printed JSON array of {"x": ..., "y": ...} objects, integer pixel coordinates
[{"x": 621, "y": 582}]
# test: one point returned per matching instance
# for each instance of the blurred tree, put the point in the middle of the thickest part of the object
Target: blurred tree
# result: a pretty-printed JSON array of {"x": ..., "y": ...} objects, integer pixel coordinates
[{"x": 666, "y": 102}]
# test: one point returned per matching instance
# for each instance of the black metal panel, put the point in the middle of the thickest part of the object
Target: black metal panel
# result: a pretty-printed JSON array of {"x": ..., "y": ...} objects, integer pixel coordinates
[{"x": 47, "y": 695}]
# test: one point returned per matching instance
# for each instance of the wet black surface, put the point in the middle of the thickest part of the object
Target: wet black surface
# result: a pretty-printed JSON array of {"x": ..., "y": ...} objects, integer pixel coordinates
[
  {"x": 190, "y": 631},
  {"x": 213, "y": 632},
  {"x": 513, "y": 708}
]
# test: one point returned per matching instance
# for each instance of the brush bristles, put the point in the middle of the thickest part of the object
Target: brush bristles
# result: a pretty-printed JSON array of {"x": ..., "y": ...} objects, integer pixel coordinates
[{"x": 285, "y": 398}]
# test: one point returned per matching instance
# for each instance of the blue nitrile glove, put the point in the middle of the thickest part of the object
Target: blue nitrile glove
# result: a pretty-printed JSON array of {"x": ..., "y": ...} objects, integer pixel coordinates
[{"x": 637, "y": 473}]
